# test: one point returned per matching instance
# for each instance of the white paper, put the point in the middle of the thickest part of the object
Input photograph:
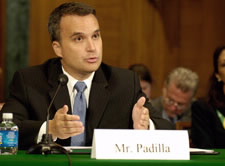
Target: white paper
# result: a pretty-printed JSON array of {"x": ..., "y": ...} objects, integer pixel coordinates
[
  {"x": 201, "y": 150},
  {"x": 71, "y": 148}
]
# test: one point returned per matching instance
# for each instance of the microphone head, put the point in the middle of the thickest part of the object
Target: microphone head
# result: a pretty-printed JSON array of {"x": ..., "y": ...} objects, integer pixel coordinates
[{"x": 63, "y": 79}]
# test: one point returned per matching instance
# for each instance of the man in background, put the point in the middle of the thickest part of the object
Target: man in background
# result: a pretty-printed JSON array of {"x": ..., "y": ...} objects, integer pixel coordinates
[{"x": 177, "y": 95}]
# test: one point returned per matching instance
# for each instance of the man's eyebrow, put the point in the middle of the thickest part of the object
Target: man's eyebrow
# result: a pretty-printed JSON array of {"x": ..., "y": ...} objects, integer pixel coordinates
[
  {"x": 80, "y": 33},
  {"x": 76, "y": 33},
  {"x": 98, "y": 30}
]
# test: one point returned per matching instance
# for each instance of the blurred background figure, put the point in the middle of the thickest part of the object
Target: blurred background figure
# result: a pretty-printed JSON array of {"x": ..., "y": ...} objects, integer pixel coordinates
[
  {"x": 1, "y": 105},
  {"x": 144, "y": 76},
  {"x": 177, "y": 95},
  {"x": 208, "y": 114}
]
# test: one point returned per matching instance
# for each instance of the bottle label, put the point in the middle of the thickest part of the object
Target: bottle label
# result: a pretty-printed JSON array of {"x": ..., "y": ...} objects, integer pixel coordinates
[{"x": 8, "y": 138}]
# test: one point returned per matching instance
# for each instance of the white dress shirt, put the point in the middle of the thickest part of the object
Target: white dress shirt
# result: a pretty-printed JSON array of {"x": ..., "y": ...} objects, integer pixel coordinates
[{"x": 72, "y": 92}]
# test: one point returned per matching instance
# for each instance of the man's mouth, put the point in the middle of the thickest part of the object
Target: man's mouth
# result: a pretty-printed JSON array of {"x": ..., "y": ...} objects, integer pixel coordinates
[{"x": 92, "y": 60}]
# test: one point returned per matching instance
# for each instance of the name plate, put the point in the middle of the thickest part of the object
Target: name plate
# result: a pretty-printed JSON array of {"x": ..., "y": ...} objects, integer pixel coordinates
[{"x": 140, "y": 144}]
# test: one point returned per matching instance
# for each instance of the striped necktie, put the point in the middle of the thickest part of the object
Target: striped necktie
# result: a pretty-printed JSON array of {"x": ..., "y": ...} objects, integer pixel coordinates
[{"x": 79, "y": 108}]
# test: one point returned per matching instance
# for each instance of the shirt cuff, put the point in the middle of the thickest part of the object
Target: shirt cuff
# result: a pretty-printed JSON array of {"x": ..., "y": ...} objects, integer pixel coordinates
[
  {"x": 152, "y": 126},
  {"x": 43, "y": 131}
]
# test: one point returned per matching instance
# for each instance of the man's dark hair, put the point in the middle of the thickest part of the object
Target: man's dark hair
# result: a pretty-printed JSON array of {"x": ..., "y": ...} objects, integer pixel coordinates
[{"x": 71, "y": 8}]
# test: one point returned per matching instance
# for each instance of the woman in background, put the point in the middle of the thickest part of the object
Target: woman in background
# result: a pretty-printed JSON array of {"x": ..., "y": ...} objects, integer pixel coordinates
[
  {"x": 208, "y": 116},
  {"x": 145, "y": 78}
]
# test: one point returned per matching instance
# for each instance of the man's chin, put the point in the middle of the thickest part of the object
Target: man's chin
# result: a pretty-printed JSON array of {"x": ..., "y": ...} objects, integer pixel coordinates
[
  {"x": 91, "y": 70},
  {"x": 172, "y": 115},
  {"x": 93, "y": 66}
]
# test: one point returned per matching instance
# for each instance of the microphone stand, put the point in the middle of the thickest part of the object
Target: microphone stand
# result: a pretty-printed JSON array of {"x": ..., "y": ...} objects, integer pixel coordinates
[{"x": 47, "y": 145}]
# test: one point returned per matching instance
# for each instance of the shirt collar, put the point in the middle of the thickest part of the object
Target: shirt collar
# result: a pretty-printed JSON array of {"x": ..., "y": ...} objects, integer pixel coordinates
[{"x": 72, "y": 81}]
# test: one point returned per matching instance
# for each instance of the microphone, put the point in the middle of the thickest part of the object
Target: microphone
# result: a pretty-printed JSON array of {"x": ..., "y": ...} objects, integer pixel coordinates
[{"x": 47, "y": 145}]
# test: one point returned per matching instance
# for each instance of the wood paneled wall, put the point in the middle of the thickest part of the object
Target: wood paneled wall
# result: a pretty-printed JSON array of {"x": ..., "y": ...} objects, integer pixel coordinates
[
  {"x": 163, "y": 36},
  {"x": 2, "y": 47},
  {"x": 194, "y": 29}
]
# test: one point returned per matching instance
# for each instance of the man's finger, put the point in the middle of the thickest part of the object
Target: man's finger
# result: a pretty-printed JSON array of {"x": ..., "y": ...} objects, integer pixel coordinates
[
  {"x": 61, "y": 114},
  {"x": 140, "y": 103},
  {"x": 63, "y": 110},
  {"x": 72, "y": 124}
]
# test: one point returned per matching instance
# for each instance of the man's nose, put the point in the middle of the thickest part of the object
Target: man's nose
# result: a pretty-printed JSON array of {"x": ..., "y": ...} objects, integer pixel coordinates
[
  {"x": 90, "y": 45},
  {"x": 174, "y": 107}
]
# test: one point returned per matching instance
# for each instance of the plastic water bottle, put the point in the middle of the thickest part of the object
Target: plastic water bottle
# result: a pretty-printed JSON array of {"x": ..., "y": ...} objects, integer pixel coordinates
[{"x": 8, "y": 135}]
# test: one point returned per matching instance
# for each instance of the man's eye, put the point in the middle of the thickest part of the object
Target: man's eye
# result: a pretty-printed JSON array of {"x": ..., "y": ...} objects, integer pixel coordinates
[
  {"x": 78, "y": 39},
  {"x": 96, "y": 36}
]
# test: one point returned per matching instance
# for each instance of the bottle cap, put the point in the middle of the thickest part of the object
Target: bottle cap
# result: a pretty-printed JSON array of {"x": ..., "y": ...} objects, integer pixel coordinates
[{"x": 7, "y": 115}]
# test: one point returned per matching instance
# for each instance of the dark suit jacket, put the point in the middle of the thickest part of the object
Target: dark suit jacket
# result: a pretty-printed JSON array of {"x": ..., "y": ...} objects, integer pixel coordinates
[
  {"x": 113, "y": 94},
  {"x": 207, "y": 129}
]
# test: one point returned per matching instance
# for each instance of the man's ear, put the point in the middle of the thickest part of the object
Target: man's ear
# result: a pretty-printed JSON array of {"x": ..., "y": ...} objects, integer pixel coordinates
[
  {"x": 164, "y": 88},
  {"x": 57, "y": 48},
  {"x": 218, "y": 77}
]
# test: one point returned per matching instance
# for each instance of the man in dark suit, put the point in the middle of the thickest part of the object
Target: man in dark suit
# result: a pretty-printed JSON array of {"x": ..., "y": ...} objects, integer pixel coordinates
[{"x": 114, "y": 98}]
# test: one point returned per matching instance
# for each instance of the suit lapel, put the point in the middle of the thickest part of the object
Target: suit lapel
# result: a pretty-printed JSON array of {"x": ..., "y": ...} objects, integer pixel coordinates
[
  {"x": 62, "y": 98},
  {"x": 98, "y": 99}
]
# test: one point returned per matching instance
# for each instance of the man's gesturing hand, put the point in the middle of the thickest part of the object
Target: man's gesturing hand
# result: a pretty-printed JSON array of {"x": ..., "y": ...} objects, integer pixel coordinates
[
  {"x": 140, "y": 115},
  {"x": 65, "y": 125}
]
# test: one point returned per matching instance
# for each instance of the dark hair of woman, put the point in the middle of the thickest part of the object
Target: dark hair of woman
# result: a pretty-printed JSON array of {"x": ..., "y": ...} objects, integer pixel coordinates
[
  {"x": 216, "y": 96},
  {"x": 142, "y": 71}
]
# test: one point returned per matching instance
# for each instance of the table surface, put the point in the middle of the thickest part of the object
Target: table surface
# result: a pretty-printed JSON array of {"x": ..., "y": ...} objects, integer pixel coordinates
[{"x": 23, "y": 159}]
